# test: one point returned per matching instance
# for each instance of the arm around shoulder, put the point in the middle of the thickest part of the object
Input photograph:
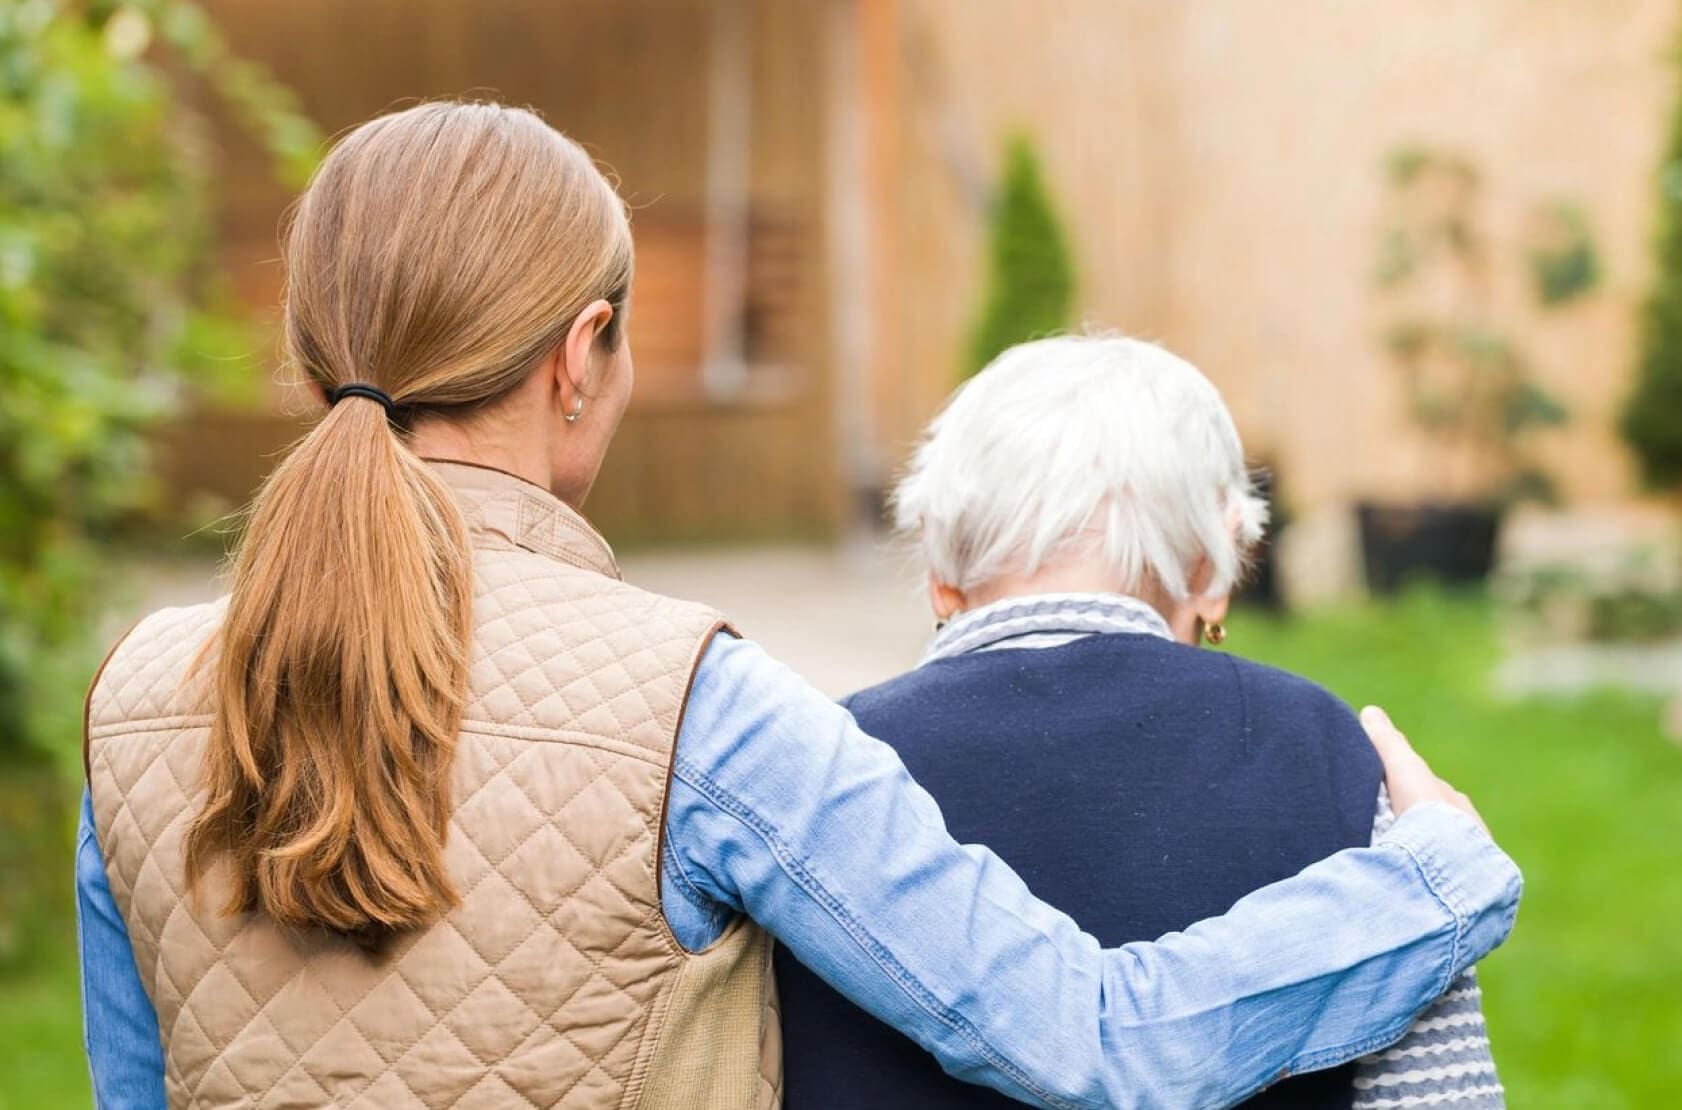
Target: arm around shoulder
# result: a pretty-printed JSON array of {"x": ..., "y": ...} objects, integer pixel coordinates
[{"x": 782, "y": 809}]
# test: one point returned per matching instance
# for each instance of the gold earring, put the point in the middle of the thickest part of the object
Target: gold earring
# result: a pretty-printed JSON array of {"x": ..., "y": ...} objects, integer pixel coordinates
[{"x": 1215, "y": 632}]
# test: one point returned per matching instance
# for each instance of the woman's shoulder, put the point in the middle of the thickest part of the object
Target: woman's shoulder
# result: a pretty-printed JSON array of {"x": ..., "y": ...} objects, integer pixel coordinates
[
  {"x": 1272, "y": 700},
  {"x": 1267, "y": 686},
  {"x": 1288, "y": 708},
  {"x": 162, "y": 643}
]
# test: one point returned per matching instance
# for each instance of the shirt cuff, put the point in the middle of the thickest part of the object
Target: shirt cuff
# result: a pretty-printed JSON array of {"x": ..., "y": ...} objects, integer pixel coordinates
[{"x": 1469, "y": 874}]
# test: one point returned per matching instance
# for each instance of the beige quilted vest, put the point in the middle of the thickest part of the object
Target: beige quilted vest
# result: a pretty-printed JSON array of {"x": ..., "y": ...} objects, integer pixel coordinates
[{"x": 556, "y": 982}]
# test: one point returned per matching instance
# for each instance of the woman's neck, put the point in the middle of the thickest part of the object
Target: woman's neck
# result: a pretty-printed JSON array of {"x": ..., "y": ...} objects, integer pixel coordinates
[
  {"x": 522, "y": 455},
  {"x": 1081, "y": 576},
  {"x": 1075, "y": 578}
]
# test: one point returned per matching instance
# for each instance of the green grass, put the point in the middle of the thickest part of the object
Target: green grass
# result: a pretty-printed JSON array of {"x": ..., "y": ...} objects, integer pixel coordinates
[
  {"x": 41, "y": 1062},
  {"x": 1584, "y": 1003}
]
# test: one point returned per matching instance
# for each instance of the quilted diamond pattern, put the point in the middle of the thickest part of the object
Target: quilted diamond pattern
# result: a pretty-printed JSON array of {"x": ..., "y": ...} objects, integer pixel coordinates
[{"x": 547, "y": 986}]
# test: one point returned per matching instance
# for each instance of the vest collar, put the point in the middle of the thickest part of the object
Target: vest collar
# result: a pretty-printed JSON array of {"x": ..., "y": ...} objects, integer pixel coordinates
[
  {"x": 1045, "y": 620},
  {"x": 528, "y": 516}
]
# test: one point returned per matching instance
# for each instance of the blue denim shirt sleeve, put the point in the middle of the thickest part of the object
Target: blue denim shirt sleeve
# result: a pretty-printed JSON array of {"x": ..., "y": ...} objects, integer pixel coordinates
[
  {"x": 120, "y": 1027},
  {"x": 780, "y": 808}
]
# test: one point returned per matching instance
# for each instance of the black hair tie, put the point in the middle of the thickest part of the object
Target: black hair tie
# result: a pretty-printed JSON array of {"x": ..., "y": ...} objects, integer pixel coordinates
[{"x": 361, "y": 389}]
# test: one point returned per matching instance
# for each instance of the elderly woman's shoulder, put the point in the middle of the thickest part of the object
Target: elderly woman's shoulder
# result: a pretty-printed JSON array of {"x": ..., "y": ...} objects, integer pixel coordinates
[{"x": 1280, "y": 700}]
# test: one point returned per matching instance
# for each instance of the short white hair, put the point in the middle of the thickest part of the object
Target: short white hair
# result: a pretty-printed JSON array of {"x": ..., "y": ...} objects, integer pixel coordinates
[{"x": 1083, "y": 440}]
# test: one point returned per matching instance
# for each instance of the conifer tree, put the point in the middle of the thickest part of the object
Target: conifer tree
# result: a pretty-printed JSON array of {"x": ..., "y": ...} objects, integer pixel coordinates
[
  {"x": 1030, "y": 276},
  {"x": 1653, "y": 417}
]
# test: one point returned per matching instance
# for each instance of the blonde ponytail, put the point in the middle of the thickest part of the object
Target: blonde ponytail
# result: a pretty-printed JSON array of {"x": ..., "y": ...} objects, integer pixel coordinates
[{"x": 437, "y": 256}]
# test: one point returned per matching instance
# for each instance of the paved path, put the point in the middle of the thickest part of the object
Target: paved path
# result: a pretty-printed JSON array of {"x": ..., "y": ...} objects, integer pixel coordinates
[{"x": 843, "y": 617}]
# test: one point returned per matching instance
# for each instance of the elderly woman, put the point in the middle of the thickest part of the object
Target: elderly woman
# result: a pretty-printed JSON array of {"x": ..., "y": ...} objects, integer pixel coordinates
[{"x": 1085, "y": 513}]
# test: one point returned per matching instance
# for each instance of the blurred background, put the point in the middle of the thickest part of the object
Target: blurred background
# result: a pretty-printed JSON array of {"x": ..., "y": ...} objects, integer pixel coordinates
[{"x": 1431, "y": 252}]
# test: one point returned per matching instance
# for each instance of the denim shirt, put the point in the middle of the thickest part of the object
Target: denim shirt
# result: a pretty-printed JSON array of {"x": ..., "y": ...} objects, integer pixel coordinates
[{"x": 781, "y": 809}]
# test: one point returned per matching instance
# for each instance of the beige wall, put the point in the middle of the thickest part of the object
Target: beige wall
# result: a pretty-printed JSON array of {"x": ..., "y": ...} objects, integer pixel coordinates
[
  {"x": 1219, "y": 165},
  {"x": 630, "y": 80}
]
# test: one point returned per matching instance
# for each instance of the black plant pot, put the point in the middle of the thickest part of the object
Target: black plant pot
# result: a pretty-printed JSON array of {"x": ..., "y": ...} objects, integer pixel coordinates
[
  {"x": 1261, "y": 587},
  {"x": 1451, "y": 542}
]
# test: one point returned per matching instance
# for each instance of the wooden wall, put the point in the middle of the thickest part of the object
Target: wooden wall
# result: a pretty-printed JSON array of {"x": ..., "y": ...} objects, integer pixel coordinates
[
  {"x": 1219, "y": 165},
  {"x": 628, "y": 79}
]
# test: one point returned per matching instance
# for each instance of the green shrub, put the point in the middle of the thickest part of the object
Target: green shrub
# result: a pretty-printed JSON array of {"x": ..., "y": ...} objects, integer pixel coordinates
[
  {"x": 1652, "y": 420},
  {"x": 1030, "y": 277},
  {"x": 110, "y": 306},
  {"x": 110, "y": 312}
]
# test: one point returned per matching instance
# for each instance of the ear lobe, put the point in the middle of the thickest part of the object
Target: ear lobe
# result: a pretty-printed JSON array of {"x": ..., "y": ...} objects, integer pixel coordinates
[
  {"x": 946, "y": 601},
  {"x": 1213, "y": 610},
  {"x": 562, "y": 387}
]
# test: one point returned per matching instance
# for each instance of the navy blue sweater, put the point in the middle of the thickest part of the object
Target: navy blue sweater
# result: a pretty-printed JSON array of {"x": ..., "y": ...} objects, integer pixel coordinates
[{"x": 1138, "y": 784}]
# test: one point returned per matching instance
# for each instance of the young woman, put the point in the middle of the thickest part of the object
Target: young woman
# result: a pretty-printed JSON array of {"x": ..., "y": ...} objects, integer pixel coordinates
[
  {"x": 434, "y": 810},
  {"x": 1084, "y": 512}
]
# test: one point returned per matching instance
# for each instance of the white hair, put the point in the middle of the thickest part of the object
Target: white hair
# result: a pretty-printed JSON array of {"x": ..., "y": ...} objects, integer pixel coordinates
[{"x": 1078, "y": 441}]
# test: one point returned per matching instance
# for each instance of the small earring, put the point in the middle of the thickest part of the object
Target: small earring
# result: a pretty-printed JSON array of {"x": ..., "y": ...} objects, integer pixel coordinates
[
  {"x": 572, "y": 417},
  {"x": 1215, "y": 632}
]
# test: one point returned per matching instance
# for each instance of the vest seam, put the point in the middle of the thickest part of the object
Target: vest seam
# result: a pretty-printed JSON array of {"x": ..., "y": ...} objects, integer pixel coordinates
[
  {"x": 1243, "y": 703},
  {"x": 145, "y": 725},
  {"x": 87, "y": 703},
  {"x": 655, "y": 1034},
  {"x": 480, "y": 729},
  {"x": 767, "y": 986},
  {"x": 700, "y": 651},
  {"x": 537, "y": 734},
  {"x": 653, "y": 1038}
]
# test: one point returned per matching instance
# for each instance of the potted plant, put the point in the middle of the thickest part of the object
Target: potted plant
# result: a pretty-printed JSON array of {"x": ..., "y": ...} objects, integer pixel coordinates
[
  {"x": 1261, "y": 586},
  {"x": 1469, "y": 390}
]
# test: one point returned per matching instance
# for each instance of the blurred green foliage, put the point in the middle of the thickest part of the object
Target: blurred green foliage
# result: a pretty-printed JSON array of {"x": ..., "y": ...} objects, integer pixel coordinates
[
  {"x": 1564, "y": 261},
  {"x": 1030, "y": 275},
  {"x": 111, "y": 311},
  {"x": 1652, "y": 421},
  {"x": 1582, "y": 1001},
  {"x": 110, "y": 303},
  {"x": 1469, "y": 386},
  {"x": 1636, "y": 598}
]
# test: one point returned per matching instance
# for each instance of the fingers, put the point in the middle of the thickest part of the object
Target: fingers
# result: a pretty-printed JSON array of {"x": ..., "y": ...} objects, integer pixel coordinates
[
  {"x": 1380, "y": 728},
  {"x": 1394, "y": 750},
  {"x": 1407, "y": 776}
]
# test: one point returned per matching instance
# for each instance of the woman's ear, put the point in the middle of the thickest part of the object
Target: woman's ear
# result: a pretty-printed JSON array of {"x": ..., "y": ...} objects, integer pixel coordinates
[
  {"x": 946, "y": 601},
  {"x": 1212, "y": 610},
  {"x": 581, "y": 356},
  {"x": 1200, "y": 608}
]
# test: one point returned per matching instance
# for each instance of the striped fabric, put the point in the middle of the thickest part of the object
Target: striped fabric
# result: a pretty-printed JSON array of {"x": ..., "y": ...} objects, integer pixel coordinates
[
  {"x": 1444, "y": 1059},
  {"x": 1044, "y": 620}
]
